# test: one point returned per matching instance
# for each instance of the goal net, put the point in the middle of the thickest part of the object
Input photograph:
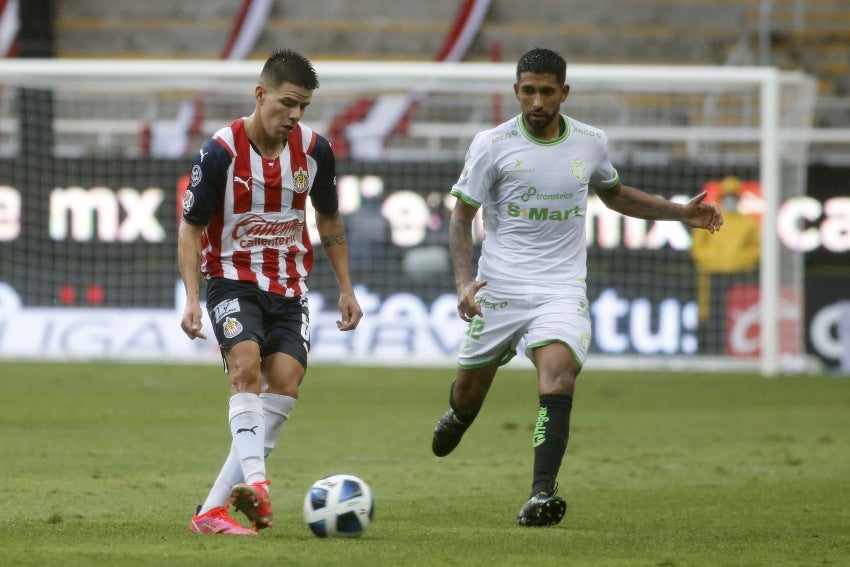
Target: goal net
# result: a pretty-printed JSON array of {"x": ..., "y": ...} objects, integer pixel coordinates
[{"x": 94, "y": 156}]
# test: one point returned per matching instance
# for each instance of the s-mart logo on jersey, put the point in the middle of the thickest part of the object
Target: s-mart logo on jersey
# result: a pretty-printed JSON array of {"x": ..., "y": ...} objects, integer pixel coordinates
[{"x": 543, "y": 213}]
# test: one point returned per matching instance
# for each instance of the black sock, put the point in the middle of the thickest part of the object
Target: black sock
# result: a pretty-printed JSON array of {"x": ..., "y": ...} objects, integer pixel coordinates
[
  {"x": 551, "y": 434},
  {"x": 465, "y": 417}
]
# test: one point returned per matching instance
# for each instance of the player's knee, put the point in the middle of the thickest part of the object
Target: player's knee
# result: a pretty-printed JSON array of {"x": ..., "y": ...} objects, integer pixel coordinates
[
  {"x": 245, "y": 375},
  {"x": 467, "y": 396},
  {"x": 283, "y": 374},
  {"x": 284, "y": 385},
  {"x": 561, "y": 381}
]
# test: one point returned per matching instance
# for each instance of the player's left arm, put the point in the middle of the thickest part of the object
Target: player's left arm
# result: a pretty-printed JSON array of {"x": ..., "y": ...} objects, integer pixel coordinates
[
  {"x": 331, "y": 228},
  {"x": 633, "y": 202},
  {"x": 332, "y": 233}
]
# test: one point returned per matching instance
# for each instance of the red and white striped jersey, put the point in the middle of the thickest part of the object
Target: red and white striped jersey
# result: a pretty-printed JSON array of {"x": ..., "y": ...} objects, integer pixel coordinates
[{"x": 254, "y": 207}]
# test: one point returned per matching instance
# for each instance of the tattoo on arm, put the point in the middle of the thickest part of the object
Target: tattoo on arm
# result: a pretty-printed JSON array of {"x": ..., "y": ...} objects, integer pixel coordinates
[
  {"x": 337, "y": 239},
  {"x": 331, "y": 229},
  {"x": 460, "y": 248}
]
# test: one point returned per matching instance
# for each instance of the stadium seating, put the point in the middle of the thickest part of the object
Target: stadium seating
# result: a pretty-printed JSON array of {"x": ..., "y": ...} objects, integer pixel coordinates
[{"x": 813, "y": 35}]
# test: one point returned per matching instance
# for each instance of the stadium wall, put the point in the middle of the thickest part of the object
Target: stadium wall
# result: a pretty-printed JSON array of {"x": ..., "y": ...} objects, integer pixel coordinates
[{"x": 88, "y": 270}]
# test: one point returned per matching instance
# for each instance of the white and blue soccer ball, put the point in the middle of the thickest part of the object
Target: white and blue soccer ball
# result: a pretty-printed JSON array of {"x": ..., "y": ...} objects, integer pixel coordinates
[{"x": 339, "y": 505}]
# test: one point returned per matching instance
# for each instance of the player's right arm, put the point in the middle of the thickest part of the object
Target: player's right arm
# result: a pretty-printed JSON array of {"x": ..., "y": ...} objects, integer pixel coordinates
[
  {"x": 189, "y": 261},
  {"x": 206, "y": 187},
  {"x": 460, "y": 250},
  {"x": 475, "y": 180}
]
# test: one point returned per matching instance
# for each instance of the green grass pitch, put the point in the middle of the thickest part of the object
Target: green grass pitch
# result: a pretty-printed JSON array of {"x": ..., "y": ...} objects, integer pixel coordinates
[{"x": 104, "y": 464}]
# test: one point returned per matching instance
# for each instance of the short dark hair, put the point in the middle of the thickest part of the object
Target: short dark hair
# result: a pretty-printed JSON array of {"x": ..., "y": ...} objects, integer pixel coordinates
[
  {"x": 288, "y": 66},
  {"x": 543, "y": 62}
]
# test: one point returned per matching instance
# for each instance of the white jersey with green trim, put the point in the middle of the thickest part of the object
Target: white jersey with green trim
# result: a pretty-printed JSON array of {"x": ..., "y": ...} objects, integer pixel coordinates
[{"x": 534, "y": 199}]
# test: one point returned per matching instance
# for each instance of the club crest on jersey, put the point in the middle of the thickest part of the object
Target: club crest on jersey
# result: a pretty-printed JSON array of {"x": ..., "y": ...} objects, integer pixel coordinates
[
  {"x": 231, "y": 327},
  {"x": 578, "y": 168},
  {"x": 188, "y": 200},
  {"x": 299, "y": 180}
]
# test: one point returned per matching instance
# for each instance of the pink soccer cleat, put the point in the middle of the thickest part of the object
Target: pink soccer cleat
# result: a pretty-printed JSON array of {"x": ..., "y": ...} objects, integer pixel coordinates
[
  {"x": 218, "y": 521},
  {"x": 253, "y": 501}
]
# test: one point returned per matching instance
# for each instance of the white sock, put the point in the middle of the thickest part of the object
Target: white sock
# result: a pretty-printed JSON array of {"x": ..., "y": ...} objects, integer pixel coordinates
[
  {"x": 276, "y": 410},
  {"x": 229, "y": 476},
  {"x": 247, "y": 425}
]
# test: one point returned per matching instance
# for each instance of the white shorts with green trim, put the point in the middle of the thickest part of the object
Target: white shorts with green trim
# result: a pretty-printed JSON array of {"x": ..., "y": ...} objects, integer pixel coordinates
[{"x": 511, "y": 320}]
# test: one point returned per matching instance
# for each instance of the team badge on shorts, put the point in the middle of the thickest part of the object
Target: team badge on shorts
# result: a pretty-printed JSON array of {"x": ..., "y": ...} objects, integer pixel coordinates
[
  {"x": 231, "y": 327},
  {"x": 585, "y": 341}
]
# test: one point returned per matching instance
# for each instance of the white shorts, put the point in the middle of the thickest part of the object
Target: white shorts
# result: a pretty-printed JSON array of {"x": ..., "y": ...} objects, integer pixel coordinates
[{"x": 534, "y": 320}]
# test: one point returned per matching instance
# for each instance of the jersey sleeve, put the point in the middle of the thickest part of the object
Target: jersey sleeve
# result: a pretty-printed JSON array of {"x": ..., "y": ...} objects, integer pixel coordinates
[
  {"x": 605, "y": 176},
  {"x": 478, "y": 174},
  {"x": 323, "y": 193},
  {"x": 207, "y": 183}
]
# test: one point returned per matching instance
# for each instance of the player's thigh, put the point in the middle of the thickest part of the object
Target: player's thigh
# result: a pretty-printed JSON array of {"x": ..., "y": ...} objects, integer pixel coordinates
[
  {"x": 242, "y": 363},
  {"x": 560, "y": 319},
  {"x": 283, "y": 374},
  {"x": 286, "y": 331},
  {"x": 238, "y": 327},
  {"x": 235, "y": 315}
]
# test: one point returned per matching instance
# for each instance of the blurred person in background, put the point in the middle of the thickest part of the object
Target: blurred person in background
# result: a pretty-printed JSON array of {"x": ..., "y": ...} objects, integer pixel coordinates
[
  {"x": 730, "y": 258},
  {"x": 244, "y": 230}
]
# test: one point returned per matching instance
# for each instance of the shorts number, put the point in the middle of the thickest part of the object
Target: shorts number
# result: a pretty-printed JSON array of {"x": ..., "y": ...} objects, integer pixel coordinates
[
  {"x": 305, "y": 327},
  {"x": 475, "y": 328}
]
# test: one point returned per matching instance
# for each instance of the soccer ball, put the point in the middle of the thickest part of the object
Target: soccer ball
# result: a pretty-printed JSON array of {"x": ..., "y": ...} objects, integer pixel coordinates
[{"x": 340, "y": 505}]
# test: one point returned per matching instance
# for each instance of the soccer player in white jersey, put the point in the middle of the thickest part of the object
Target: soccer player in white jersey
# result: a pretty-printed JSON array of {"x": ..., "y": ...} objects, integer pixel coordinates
[
  {"x": 244, "y": 230},
  {"x": 531, "y": 176}
]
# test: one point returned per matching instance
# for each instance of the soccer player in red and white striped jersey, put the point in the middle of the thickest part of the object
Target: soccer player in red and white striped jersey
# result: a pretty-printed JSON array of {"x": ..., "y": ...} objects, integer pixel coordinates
[{"x": 244, "y": 229}]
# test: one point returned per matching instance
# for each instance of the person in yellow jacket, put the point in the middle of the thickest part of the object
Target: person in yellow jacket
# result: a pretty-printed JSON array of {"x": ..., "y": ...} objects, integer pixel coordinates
[{"x": 724, "y": 259}]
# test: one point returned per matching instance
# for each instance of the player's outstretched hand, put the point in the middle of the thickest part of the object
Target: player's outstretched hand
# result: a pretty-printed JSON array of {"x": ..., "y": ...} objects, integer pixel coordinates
[
  {"x": 467, "y": 307},
  {"x": 350, "y": 311},
  {"x": 700, "y": 214}
]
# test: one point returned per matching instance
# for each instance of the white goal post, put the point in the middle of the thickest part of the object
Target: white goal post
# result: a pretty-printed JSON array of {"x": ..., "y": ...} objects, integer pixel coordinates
[{"x": 672, "y": 130}]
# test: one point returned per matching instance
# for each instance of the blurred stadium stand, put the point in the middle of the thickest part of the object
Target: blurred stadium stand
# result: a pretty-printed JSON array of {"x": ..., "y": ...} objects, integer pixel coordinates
[{"x": 808, "y": 35}]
